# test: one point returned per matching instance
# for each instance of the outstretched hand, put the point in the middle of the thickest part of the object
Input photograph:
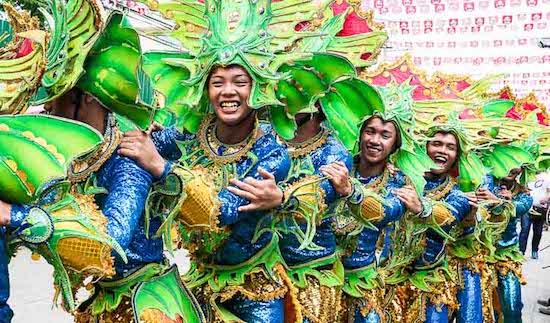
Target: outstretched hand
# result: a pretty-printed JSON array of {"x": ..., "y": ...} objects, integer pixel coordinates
[
  {"x": 139, "y": 146},
  {"x": 407, "y": 194},
  {"x": 263, "y": 194},
  {"x": 338, "y": 176},
  {"x": 5, "y": 213}
]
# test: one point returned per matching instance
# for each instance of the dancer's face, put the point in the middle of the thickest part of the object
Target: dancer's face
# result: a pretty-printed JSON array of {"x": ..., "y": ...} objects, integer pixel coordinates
[
  {"x": 228, "y": 90},
  {"x": 378, "y": 140},
  {"x": 65, "y": 105},
  {"x": 443, "y": 150},
  {"x": 513, "y": 174}
]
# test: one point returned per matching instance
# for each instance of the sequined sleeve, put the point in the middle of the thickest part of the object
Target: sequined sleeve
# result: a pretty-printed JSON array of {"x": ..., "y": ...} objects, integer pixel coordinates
[
  {"x": 128, "y": 186},
  {"x": 274, "y": 159},
  {"x": 459, "y": 203},
  {"x": 165, "y": 142},
  {"x": 340, "y": 156},
  {"x": 522, "y": 202},
  {"x": 18, "y": 214}
]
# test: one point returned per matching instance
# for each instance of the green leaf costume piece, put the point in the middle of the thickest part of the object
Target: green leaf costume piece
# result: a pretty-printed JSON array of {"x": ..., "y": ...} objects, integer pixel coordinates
[{"x": 26, "y": 139}]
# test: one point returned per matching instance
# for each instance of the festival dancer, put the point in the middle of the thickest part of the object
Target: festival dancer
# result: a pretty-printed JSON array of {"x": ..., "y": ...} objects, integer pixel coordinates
[
  {"x": 431, "y": 298},
  {"x": 375, "y": 202},
  {"x": 508, "y": 256},
  {"x": 235, "y": 69},
  {"x": 79, "y": 86}
]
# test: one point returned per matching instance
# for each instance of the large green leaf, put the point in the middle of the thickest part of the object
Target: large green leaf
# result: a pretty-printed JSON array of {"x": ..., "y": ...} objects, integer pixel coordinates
[
  {"x": 113, "y": 73},
  {"x": 33, "y": 153},
  {"x": 167, "y": 294},
  {"x": 503, "y": 158}
]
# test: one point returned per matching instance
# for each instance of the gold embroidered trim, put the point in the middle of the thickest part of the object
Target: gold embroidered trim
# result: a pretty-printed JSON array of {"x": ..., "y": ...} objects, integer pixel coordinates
[
  {"x": 81, "y": 168},
  {"x": 296, "y": 150},
  {"x": 442, "y": 215},
  {"x": 209, "y": 143},
  {"x": 442, "y": 190},
  {"x": 320, "y": 303}
]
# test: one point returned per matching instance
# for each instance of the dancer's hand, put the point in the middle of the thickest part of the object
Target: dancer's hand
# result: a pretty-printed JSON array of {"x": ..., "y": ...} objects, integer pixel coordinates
[
  {"x": 407, "y": 194},
  {"x": 263, "y": 194},
  {"x": 338, "y": 176},
  {"x": 5, "y": 213},
  {"x": 484, "y": 194},
  {"x": 139, "y": 146}
]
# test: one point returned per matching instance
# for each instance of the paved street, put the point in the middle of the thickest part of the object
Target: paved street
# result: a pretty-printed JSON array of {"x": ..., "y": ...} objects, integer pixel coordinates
[{"x": 32, "y": 288}]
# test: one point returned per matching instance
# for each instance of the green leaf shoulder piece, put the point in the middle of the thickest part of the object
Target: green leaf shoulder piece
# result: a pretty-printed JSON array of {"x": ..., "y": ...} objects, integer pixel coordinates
[{"x": 32, "y": 153}]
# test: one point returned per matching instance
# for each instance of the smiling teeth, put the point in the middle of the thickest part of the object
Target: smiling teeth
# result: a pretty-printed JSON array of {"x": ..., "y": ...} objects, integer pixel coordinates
[{"x": 229, "y": 104}]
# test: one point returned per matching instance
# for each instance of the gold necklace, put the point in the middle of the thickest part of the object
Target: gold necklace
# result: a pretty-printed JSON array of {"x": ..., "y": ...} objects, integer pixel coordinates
[
  {"x": 81, "y": 168},
  {"x": 442, "y": 190},
  {"x": 210, "y": 144},
  {"x": 296, "y": 150},
  {"x": 380, "y": 183}
]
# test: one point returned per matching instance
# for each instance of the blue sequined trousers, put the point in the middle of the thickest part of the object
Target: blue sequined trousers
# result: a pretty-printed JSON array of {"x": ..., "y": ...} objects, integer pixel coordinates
[
  {"x": 238, "y": 246},
  {"x": 372, "y": 317},
  {"x": 6, "y": 313},
  {"x": 438, "y": 314},
  {"x": 435, "y": 244},
  {"x": 469, "y": 298},
  {"x": 509, "y": 294}
]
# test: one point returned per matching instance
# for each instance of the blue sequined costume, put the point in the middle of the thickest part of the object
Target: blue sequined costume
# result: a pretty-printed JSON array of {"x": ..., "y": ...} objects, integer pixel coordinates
[
  {"x": 509, "y": 257},
  {"x": 127, "y": 186},
  {"x": 431, "y": 275},
  {"x": 229, "y": 273},
  {"x": 363, "y": 287},
  {"x": 5, "y": 311},
  {"x": 315, "y": 271}
]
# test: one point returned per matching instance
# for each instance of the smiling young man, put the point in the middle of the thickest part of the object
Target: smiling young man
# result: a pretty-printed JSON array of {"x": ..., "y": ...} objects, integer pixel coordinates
[
  {"x": 507, "y": 258},
  {"x": 235, "y": 274},
  {"x": 444, "y": 149},
  {"x": 374, "y": 179}
]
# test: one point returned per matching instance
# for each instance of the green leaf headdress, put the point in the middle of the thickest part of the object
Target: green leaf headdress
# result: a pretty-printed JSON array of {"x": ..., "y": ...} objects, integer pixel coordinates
[
  {"x": 484, "y": 143},
  {"x": 410, "y": 158},
  {"x": 22, "y": 59},
  {"x": 100, "y": 56},
  {"x": 289, "y": 68}
]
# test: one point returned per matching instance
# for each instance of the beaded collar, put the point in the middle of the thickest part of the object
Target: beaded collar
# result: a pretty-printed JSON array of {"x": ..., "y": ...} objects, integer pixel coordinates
[
  {"x": 296, "y": 150},
  {"x": 219, "y": 152},
  {"x": 378, "y": 184},
  {"x": 82, "y": 167},
  {"x": 442, "y": 190}
]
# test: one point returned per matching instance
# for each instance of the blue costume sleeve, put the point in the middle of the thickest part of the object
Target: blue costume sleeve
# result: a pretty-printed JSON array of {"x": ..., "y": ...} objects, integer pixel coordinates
[
  {"x": 128, "y": 186},
  {"x": 393, "y": 210},
  {"x": 459, "y": 203},
  {"x": 330, "y": 194},
  {"x": 165, "y": 142},
  {"x": 522, "y": 202},
  {"x": 18, "y": 214},
  {"x": 274, "y": 160}
]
